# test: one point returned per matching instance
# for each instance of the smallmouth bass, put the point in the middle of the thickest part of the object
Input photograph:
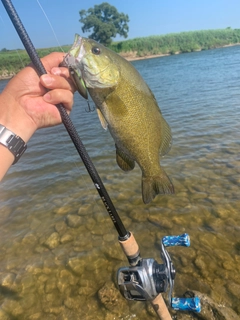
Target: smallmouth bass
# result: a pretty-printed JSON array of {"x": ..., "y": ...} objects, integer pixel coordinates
[{"x": 127, "y": 107}]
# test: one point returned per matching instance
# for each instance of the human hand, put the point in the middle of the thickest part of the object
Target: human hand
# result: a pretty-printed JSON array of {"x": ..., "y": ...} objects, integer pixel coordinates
[{"x": 26, "y": 104}]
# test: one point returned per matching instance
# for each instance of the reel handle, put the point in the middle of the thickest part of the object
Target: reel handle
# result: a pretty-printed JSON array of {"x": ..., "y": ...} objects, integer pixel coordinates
[
  {"x": 182, "y": 240},
  {"x": 186, "y": 304}
]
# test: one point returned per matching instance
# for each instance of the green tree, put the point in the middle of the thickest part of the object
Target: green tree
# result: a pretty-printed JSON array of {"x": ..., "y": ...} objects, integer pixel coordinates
[{"x": 105, "y": 22}]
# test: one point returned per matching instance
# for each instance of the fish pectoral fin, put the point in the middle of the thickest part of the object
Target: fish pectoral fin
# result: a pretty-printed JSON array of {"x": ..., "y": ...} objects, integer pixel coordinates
[
  {"x": 166, "y": 138},
  {"x": 102, "y": 119},
  {"x": 119, "y": 108},
  {"x": 154, "y": 185},
  {"x": 124, "y": 161}
]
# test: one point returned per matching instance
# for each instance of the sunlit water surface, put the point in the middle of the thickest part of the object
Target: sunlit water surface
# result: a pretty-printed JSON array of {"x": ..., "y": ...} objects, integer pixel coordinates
[{"x": 58, "y": 246}]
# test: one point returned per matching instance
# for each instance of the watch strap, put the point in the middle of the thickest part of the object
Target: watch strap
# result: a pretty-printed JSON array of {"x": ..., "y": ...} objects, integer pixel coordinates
[{"x": 14, "y": 143}]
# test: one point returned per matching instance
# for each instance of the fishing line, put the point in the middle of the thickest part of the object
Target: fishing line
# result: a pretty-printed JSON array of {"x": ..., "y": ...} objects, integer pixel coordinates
[
  {"x": 2, "y": 19},
  {"x": 17, "y": 51},
  {"x": 123, "y": 233},
  {"x": 56, "y": 38},
  {"x": 144, "y": 283},
  {"x": 92, "y": 197},
  {"x": 49, "y": 22}
]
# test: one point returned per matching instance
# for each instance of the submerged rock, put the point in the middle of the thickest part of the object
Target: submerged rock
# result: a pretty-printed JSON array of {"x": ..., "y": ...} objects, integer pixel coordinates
[
  {"x": 74, "y": 221},
  {"x": 76, "y": 265},
  {"x": 112, "y": 300},
  {"x": 3, "y": 315},
  {"x": 53, "y": 241}
]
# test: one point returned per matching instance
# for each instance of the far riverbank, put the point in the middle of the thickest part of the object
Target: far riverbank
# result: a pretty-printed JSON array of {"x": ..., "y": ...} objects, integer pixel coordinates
[{"x": 133, "y": 56}]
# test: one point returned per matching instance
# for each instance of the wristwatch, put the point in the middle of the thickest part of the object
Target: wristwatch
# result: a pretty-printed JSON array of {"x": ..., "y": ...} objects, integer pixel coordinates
[{"x": 13, "y": 142}]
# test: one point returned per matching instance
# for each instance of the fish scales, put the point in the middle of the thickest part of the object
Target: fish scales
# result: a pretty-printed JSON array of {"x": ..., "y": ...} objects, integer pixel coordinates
[{"x": 128, "y": 108}]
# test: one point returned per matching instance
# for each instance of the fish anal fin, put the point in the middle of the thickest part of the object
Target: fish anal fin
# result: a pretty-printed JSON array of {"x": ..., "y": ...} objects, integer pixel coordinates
[
  {"x": 124, "y": 161},
  {"x": 154, "y": 185},
  {"x": 102, "y": 119},
  {"x": 166, "y": 138}
]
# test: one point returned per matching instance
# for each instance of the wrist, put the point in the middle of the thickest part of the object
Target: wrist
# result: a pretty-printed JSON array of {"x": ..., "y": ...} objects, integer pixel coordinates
[
  {"x": 12, "y": 142},
  {"x": 14, "y": 118}
]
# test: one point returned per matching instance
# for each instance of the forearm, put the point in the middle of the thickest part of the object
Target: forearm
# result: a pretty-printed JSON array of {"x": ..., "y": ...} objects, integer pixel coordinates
[
  {"x": 15, "y": 120},
  {"x": 6, "y": 160},
  {"x": 28, "y": 103}
]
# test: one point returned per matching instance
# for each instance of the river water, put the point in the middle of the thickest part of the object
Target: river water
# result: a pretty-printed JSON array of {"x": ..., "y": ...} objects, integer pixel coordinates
[{"x": 59, "y": 252}]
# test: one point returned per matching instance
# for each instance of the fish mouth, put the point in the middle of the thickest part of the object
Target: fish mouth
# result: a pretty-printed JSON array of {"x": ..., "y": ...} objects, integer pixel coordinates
[{"x": 75, "y": 55}]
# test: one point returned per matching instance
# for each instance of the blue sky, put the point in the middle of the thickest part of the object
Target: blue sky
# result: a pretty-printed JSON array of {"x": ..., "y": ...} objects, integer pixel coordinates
[{"x": 147, "y": 17}]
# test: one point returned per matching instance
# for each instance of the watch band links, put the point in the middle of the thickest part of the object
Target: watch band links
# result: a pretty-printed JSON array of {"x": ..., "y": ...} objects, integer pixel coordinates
[{"x": 14, "y": 143}]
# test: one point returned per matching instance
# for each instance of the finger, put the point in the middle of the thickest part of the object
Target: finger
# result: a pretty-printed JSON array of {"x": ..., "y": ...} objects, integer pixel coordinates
[
  {"x": 64, "y": 72},
  {"x": 60, "y": 96},
  {"x": 52, "y": 60},
  {"x": 60, "y": 71},
  {"x": 50, "y": 81}
]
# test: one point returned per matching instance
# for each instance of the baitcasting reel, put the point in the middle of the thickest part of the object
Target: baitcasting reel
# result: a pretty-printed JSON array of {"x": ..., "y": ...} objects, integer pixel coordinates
[{"x": 148, "y": 278}]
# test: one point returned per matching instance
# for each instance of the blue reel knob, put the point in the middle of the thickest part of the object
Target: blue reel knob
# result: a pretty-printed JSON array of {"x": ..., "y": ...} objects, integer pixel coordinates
[
  {"x": 187, "y": 304},
  {"x": 181, "y": 240}
]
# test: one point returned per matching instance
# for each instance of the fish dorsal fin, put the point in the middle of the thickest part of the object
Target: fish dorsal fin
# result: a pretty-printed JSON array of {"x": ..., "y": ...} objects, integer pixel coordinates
[
  {"x": 167, "y": 138},
  {"x": 102, "y": 119}
]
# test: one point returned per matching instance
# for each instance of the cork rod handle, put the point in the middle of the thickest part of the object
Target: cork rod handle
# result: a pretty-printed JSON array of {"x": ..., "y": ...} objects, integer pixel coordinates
[{"x": 160, "y": 308}]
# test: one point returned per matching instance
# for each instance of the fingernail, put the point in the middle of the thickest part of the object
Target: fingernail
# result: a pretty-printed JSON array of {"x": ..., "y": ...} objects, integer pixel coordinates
[
  {"x": 56, "y": 71},
  {"x": 47, "y": 79},
  {"x": 47, "y": 97}
]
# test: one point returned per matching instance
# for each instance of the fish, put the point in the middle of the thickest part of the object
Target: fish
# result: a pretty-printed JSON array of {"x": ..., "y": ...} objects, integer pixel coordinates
[{"x": 127, "y": 107}]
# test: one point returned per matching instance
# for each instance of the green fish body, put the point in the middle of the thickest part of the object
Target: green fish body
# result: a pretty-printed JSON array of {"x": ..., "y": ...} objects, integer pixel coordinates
[{"x": 128, "y": 108}]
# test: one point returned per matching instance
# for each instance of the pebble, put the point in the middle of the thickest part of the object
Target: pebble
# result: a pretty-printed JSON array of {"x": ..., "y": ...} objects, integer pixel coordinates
[
  {"x": 65, "y": 281},
  {"x": 112, "y": 300},
  {"x": 109, "y": 237},
  {"x": 52, "y": 310},
  {"x": 76, "y": 264},
  {"x": 28, "y": 301},
  {"x": 60, "y": 227},
  {"x": 74, "y": 221},
  {"x": 234, "y": 288},
  {"x": 85, "y": 209},
  {"x": 7, "y": 279},
  {"x": 66, "y": 237},
  {"x": 157, "y": 220},
  {"x": 27, "y": 281},
  {"x": 114, "y": 251},
  {"x": 12, "y": 307},
  {"x": 138, "y": 215},
  {"x": 201, "y": 265},
  {"x": 53, "y": 241},
  {"x": 73, "y": 302},
  {"x": 50, "y": 285},
  {"x": 62, "y": 211},
  {"x": 4, "y": 315}
]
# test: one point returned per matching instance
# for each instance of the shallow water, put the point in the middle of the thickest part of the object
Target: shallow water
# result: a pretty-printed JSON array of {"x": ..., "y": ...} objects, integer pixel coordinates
[{"x": 58, "y": 245}]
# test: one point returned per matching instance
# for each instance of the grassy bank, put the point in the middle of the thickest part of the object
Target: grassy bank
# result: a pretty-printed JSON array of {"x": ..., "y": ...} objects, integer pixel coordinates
[
  {"x": 177, "y": 42},
  {"x": 12, "y": 61}
]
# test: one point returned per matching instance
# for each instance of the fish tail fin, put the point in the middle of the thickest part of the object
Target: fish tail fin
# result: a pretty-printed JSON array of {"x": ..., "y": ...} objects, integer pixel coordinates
[{"x": 154, "y": 185}]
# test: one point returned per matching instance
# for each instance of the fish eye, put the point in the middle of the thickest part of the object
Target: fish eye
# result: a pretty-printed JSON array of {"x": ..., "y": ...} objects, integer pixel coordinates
[{"x": 96, "y": 50}]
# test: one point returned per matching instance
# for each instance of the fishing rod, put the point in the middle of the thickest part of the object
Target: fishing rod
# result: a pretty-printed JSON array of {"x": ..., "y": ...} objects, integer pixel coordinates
[
  {"x": 67, "y": 122},
  {"x": 144, "y": 279}
]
